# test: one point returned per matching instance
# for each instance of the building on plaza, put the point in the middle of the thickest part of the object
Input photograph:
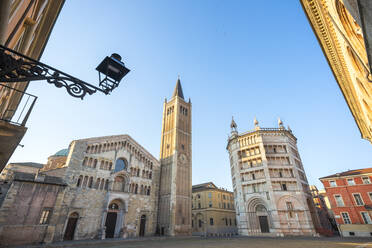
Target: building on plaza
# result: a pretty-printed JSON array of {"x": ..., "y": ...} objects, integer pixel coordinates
[
  {"x": 213, "y": 211},
  {"x": 104, "y": 187},
  {"x": 344, "y": 30},
  {"x": 328, "y": 226},
  {"x": 25, "y": 26},
  {"x": 30, "y": 208},
  {"x": 271, "y": 192},
  {"x": 175, "y": 160},
  {"x": 350, "y": 195}
]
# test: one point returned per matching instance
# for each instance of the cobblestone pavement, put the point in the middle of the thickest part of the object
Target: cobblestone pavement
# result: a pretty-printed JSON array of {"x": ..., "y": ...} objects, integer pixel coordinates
[{"x": 238, "y": 242}]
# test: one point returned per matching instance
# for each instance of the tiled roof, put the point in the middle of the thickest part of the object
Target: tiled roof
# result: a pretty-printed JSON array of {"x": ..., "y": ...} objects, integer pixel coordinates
[
  {"x": 350, "y": 173},
  {"x": 204, "y": 185},
  {"x": 30, "y": 164}
]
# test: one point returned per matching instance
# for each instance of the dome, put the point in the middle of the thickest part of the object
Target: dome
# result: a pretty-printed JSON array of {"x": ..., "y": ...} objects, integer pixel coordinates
[{"x": 61, "y": 153}]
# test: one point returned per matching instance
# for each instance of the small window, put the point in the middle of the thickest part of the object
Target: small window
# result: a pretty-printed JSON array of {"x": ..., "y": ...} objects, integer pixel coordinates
[
  {"x": 332, "y": 183},
  {"x": 339, "y": 201},
  {"x": 44, "y": 218},
  {"x": 358, "y": 200},
  {"x": 199, "y": 206},
  {"x": 366, "y": 217},
  {"x": 200, "y": 223},
  {"x": 352, "y": 233},
  {"x": 346, "y": 218},
  {"x": 366, "y": 180},
  {"x": 253, "y": 176},
  {"x": 210, "y": 204},
  {"x": 211, "y": 221},
  {"x": 209, "y": 195},
  {"x": 284, "y": 187},
  {"x": 280, "y": 174},
  {"x": 350, "y": 181},
  {"x": 226, "y": 221}
]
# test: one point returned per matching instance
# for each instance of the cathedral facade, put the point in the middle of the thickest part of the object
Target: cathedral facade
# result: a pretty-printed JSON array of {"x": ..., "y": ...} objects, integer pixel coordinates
[
  {"x": 271, "y": 191},
  {"x": 104, "y": 187}
]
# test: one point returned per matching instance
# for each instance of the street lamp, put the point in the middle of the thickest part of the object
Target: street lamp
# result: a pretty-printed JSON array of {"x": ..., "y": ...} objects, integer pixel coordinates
[{"x": 16, "y": 67}]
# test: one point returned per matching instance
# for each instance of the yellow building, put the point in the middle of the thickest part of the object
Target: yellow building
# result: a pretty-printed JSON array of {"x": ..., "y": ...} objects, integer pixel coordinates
[
  {"x": 25, "y": 26},
  {"x": 213, "y": 212},
  {"x": 337, "y": 25}
]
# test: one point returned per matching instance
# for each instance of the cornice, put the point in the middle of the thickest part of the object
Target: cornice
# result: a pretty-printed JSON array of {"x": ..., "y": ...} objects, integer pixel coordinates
[{"x": 324, "y": 29}]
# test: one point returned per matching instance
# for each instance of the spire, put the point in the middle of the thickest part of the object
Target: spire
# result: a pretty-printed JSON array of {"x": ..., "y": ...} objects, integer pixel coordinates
[
  {"x": 178, "y": 89},
  {"x": 233, "y": 125}
]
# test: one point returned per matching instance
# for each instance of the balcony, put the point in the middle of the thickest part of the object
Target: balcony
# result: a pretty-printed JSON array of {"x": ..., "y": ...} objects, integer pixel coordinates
[{"x": 15, "y": 108}]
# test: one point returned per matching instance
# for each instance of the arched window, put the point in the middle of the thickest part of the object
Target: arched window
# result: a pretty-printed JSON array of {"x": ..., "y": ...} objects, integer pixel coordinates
[
  {"x": 85, "y": 181},
  {"x": 79, "y": 181},
  {"x": 90, "y": 184},
  {"x": 110, "y": 166},
  {"x": 107, "y": 184},
  {"x": 95, "y": 164},
  {"x": 150, "y": 175},
  {"x": 143, "y": 173},
  {"x": 106, "y": 165},
  {"x": 136, "y": 189},
  {"x": 102, "y": 184},
  {"x": 88, "y": 149},
  {"x": 85, "y": 161},
  {"x": 141, "y": 191},
  {"x": 96, "y": 186},
  {"x": 138, "y": 172},
  {"x": 148, "y": 190},
  {"x": 90, "y": 162}
]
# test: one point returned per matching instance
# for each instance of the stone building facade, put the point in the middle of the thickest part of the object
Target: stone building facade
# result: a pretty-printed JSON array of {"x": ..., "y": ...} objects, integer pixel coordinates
[
  {"x": 272, "y": 195},
  {"x": 337, "y": 26},
  {"x": 112, "y": 192},
  {"x": 30, "y": 208},
  {"x": 213, "y": 211},
  {"x": 175, "y": 160}
]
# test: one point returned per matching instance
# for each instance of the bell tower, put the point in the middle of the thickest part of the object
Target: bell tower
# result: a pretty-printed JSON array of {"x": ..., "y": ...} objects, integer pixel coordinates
[{"x": 174, "y": 218}]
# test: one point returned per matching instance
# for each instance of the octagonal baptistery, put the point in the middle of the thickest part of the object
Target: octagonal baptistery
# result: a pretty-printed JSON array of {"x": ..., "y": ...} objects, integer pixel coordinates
[
  {"x": 112, "y": 190},
  {"x": 272, "y": 196}
]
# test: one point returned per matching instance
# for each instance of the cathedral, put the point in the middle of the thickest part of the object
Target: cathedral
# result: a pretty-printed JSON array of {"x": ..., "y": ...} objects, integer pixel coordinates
[{"x": 103, "y": 187}]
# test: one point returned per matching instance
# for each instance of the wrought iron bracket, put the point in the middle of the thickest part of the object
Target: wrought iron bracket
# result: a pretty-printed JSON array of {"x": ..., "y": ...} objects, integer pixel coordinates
[{"x": 16, "y": 67}]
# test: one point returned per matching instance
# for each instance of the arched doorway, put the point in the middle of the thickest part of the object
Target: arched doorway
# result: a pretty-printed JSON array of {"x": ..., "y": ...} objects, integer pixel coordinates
[
  {"x": 142, "y": 226},
  {"x": 71, "y": 226},
  {"x": 263, "y": 218},
  {"x": 111, "y": 220}
]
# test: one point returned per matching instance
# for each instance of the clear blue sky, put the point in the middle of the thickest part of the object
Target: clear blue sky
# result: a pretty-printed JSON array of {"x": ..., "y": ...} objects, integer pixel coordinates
[{"x": 240, "y": 58}]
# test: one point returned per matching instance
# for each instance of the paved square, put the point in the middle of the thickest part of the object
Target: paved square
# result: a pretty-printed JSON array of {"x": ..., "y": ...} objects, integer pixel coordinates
[{"x": 239, "y": 242}]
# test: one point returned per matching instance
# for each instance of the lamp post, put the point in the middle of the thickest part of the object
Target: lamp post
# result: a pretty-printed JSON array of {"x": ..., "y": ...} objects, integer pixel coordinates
[{"x": 16, "y": 67}]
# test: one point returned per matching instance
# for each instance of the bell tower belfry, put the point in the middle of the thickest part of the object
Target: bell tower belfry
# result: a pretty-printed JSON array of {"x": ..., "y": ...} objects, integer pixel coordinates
[{"x": 174, "y": 217}]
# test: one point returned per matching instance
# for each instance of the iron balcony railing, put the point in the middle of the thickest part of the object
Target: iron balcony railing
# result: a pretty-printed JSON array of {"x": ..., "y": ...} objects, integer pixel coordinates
[{"x": 15, "y": 105}]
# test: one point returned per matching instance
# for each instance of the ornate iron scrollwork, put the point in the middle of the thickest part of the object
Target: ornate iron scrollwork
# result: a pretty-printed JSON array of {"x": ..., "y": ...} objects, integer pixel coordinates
[{"x": 15, "y": 67}]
